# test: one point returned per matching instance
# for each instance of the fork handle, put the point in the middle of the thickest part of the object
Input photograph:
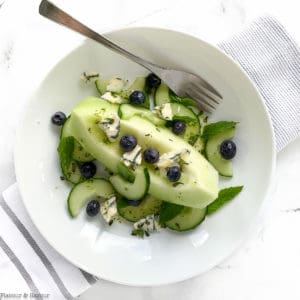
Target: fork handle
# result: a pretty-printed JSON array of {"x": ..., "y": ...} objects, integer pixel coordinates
[{"x": 54, "y": 13}]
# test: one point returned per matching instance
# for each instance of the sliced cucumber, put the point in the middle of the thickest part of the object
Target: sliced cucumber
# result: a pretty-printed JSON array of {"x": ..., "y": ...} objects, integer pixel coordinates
[
  {"x": 162, "y": 95},
  {"x": 183, "y": 113},
  {"x": 125, "y": 172},
  {"x": 133, "y": 191},
  {"x": 127, "y": 111},
  {"x": 86, "y": 191},
  {"x": 212, "y": 152},
  {"x": 149, "y": 205},
  {"x": 79, "y": 153},
  {"x": 116, "y": 85},
  {"x": 187, "y": 219},
  {"x": 72, "y": 174},
  {"x": 70, "y": 168},
  {"x": 101, "y": 85}
]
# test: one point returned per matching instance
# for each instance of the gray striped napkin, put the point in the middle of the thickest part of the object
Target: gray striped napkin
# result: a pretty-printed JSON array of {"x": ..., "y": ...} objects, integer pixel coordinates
[
  {"x": 272, "y": 60},
  {"x": 29, "y": 265}
]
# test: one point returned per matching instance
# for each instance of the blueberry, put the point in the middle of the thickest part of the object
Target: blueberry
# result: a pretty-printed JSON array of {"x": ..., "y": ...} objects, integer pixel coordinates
[
  {"x": 88, "y": 170},
  {"x": 179, "y": 127},
  {"x": 137, "y": 98},
  {"x": 228, "y": 149},
  {"x": 151, "y": 155},
  {"x": 128, "y": 142},
  {"x": 152, "y": 81},
  {"x": 59, "y": 118},
  {"x": 93, "y": 207},
  {"x": 174, "y": 173},
  {"x": 134, "y": 202}
]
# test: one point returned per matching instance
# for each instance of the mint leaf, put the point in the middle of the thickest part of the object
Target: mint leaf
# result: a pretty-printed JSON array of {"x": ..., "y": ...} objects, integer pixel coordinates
[
  {"x": 169, "y": 211},
  {"x": 225, "y": 196},
  {"x": 65, "y": 151},
  {"x": 185, "y": 119},
  {"x": 183, "y": 100},
  {"x": 122, "y": 203},
  {"x": 213, "y": 129}
]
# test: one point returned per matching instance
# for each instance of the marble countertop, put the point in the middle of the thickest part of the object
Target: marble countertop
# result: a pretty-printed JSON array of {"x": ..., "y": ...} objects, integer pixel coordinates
[{"x": 267, "y": 266}]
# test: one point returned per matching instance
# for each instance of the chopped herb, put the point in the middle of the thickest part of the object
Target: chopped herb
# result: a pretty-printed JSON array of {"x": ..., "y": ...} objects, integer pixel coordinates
[
  {"x": 147, "y": 233},
  {"x": 177, "y": 183},
  {"x": 88, "y": 76},
  {"x": 138, "y": 232},
  {"x": 62, "y": 178},
  {"x": 157, "y": 129},
  {"x": 147, "y": 134},
  {"x": 170, "y": 140},
  {"x": 89, "y": 129},
  {"x": 110, "y": 222}
]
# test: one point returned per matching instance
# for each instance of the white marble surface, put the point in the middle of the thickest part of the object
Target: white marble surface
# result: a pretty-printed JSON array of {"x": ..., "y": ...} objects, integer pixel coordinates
[{"x": 267, "y": 266}]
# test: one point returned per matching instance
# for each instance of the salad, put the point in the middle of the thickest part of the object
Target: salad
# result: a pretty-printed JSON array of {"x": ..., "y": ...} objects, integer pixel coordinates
[{"x": 161, "y": 156}]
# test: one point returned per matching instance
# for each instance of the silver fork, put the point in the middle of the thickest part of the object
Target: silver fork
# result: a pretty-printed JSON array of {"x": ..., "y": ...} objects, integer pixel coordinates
[{"x": 184, "y": 84}]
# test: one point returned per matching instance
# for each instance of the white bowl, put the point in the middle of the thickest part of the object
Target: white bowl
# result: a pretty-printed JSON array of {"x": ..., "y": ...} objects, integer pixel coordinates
[{"x": 111, "y": 252}]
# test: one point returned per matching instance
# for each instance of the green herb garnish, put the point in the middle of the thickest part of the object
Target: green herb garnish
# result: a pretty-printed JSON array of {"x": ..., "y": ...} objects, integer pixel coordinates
[
  {"x": 169, "y": 211},
  {"x": 225, "y": 196},
  {"x": 177, "y": 183},
  {"x": 213, "y": 129},
  {"x": 65, "y": 151},
  {"x": 183, "y": 100},
  {"x": 138, "y": 232}
]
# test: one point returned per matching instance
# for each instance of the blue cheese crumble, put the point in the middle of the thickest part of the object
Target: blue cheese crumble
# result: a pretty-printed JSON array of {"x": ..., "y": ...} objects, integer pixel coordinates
[
  {"x": 109, "y": 210},
  {"x": 112, "y": 98},
  {"x": 133, "y": 157},
  {"x": 170, "y": 159},
  {"x": 165, "y": 111},
  {"x": 111, "y": 127},
  {"x": 148, "y": 224}
]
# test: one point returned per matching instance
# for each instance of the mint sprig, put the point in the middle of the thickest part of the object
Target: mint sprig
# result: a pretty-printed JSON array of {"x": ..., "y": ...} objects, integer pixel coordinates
[
  {"x": 169, "y": 211},
  {"x": 65, "y": 151},
  {"x": 225, "y": 196},
  {"x": 213, "y": 129}
]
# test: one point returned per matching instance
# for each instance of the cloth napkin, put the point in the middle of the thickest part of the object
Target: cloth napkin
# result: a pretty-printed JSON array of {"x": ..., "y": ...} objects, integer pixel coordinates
[{"x": 28, "y": 264}]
